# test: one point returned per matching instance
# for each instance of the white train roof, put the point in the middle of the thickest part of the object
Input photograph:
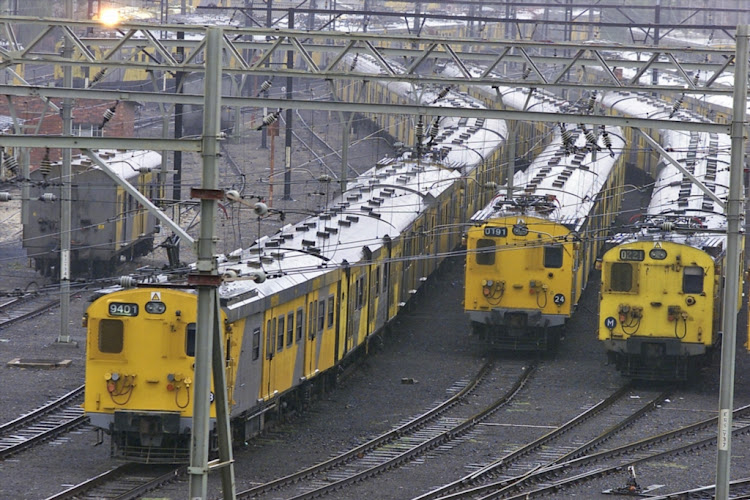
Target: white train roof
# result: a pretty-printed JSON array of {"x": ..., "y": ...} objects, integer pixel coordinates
[
  {"x": 384, "y": 201},
  {"x": 125, "y": 164},
  {"x": 571, "y": 175},
  {"x": 676, "y": 202}
]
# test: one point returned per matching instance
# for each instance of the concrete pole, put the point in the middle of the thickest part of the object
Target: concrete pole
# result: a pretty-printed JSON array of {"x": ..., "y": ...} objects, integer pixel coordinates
[
  {"x": 66, "y": 193},
  {"x": 731, "y": 291},
  {"x": 207, "y": 280}
]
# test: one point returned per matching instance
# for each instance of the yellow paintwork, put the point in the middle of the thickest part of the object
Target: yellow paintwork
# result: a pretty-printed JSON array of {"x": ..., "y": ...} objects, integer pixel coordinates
[
  {"x": 143, "y": 374},
  {"x": 657, "y": 287},
  {"x": 520, "y": 279}
]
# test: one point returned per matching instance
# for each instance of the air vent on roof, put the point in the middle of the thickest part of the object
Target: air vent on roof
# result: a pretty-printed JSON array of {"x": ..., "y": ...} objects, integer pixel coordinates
[
  {"x": 278, "y": 255},
  {"x": 301, "y": 229},
  {"x": 322, "y": 234},
  {"x": 365, "y": 208},
  {"x": 272, "y": 244},
  {"x": 307, "y": 243},
  {"x": 352, "y": 218},
  {"x": 345, "y": 223},
  {"x": 331, "y": 230},
  {"x": 324, "y": 216}
]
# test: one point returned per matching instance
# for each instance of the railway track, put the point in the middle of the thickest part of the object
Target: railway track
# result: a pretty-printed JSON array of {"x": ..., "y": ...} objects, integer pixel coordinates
[
  {"x": 47, "y": 422},
  {"x": 414, "y": 438},
  {"x": 23, "y": 307},
  {"x": 126, "y": 482},
  {"x": 568, "y": 472}
]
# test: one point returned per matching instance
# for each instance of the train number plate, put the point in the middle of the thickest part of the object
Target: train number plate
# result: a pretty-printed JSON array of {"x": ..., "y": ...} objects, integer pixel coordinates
[
  {"x": 497, "y": 232},
  {"x": 123, "y": 309},
  {"x": 632, "y": 254}
]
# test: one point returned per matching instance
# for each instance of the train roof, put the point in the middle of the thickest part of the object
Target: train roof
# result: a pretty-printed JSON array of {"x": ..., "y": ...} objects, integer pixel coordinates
[
  {"x": 572, "y": 175},
  {"x": 382, "y": 203},
  {"x": 679, "y": 211},
  {"x": 127, "y": 165}
]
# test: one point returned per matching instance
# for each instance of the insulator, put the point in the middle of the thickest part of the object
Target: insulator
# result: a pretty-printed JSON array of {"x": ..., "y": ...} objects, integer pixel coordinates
[
  {"x": 677, "y": 105},
  {"x": 233, "y": 195},
  {"x": 265, "y": 85},
  {"x": 48, "y": 197},
  {"x": 127, "y": 281},
  {"x": 442, "y": 94},
  {"x": 98, "y": 76},
  {"x": 325, "y": 178},
  {"x": 592, "y": 102},
  {"x": 45, "y": 166},
  {"x": 419, "y": 130},
  {"x": 260, "y": 209},
  {"x": 591, "y": 137},
  {"x": 354, "y": 62},
  {"x": 696, "y": 78},
  {"x": 109, "y": 113},
  {"x": 526, "y": 74},
  {"x": 10, "y": 162},
  {"x": 270, "y": 118},
  {"x": 566, "y": 137},
  {"x": 5, "y": 196}
]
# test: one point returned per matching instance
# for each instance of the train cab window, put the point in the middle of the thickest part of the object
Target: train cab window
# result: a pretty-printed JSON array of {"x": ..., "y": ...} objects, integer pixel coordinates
[
  {"x": 553, "y": 256},
  {"x": 256, "y": 343},
  {"x": 386, "y": 273},
  {"x": 331, "y": 311},
  {"x": 111, "y": 335},
  {"x": 377, "y": 281},
  {"x": 485, "y": 252},
  {"x": 300, "y": 323},
  {"x": 692, "y": 279},
  {"x": 190, "y": 332},
  {"x": 280, "y": 331},
  {"x": 621, "y": 277},
  {"x": 289, "y": 328}
]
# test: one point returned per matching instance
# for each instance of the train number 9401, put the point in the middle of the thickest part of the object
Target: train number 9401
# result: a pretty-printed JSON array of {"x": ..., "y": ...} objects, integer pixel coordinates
[{"x": 123, "y": 309}]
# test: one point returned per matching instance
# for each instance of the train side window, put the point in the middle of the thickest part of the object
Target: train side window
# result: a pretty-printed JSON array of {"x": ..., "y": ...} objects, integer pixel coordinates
[
  {"x": 300, "y": 323},
  {"x": 553, "y": 256},
  {"x": 377, "y": 280},
  {"x": 621, "y": 277},
  {"x": 321, "y": 315},
  {"x": 331, "y": 311},
  {"x": 386, "y": 274},
  {"x": 692, "y": 279},
  {"x": 289, "y": 328},
  {"x": 190, "y": 332},
  {"x": 485, "y": 252},
  {"x": 280, "y": 331},
  {"x": 111, "y": 335},
  {"x": 270, "y": 336},
  {"x": 311, "y": 315},
  {"x": 256, "y": 343}
]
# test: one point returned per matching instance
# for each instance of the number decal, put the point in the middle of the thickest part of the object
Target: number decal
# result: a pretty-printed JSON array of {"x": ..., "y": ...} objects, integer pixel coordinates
[
  {"x": 559, "y": 299},
  {"x": 123, "y": 309}
]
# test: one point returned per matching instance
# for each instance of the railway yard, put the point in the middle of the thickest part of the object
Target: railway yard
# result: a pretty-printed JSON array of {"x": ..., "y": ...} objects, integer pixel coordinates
[
  {"x": 426, "y": 361},
  {"x": 428, "y": 415},
  {"x": 421, "y": 408}
]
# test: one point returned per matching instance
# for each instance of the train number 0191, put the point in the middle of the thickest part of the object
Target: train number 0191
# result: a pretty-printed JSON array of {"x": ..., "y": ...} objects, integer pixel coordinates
[{"x": 123, "y": 309}]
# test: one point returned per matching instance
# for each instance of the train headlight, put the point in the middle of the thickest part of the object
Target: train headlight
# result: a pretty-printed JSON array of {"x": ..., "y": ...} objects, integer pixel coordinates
[{"x": 156, "y": 307}]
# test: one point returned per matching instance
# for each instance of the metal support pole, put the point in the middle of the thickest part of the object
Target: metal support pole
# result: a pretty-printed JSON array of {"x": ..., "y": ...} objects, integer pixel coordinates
[
  {"x": 288, "y": 132},
  {"x": 209, "y": 320},
  {"x": 66, "y": 192},
  {"x": 731, "y": 290}
]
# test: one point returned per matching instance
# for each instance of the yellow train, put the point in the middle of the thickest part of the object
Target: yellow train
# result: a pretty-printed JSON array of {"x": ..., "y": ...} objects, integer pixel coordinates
[
  {"x": 663, "y": 285},
  {"x": 529, "y": 254},
  {"x": 320, "y": 290}
]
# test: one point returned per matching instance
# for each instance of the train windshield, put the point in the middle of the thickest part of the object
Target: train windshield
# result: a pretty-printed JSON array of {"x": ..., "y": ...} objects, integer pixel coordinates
[
  {"x": 692, "y": 279},
  {"x": 485, "y": 252},
  {"x": 553, "y": 256},
  {"x": 110, "y": 335},
  {"x": 621, "y": 277}
]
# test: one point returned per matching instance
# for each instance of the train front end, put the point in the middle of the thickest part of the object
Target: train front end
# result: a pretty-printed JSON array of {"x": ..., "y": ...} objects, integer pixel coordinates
[
  {"x": 660, "y": 309},
  {"x": 139, "y": 372},
  {"x": 522, "y": 275}
]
